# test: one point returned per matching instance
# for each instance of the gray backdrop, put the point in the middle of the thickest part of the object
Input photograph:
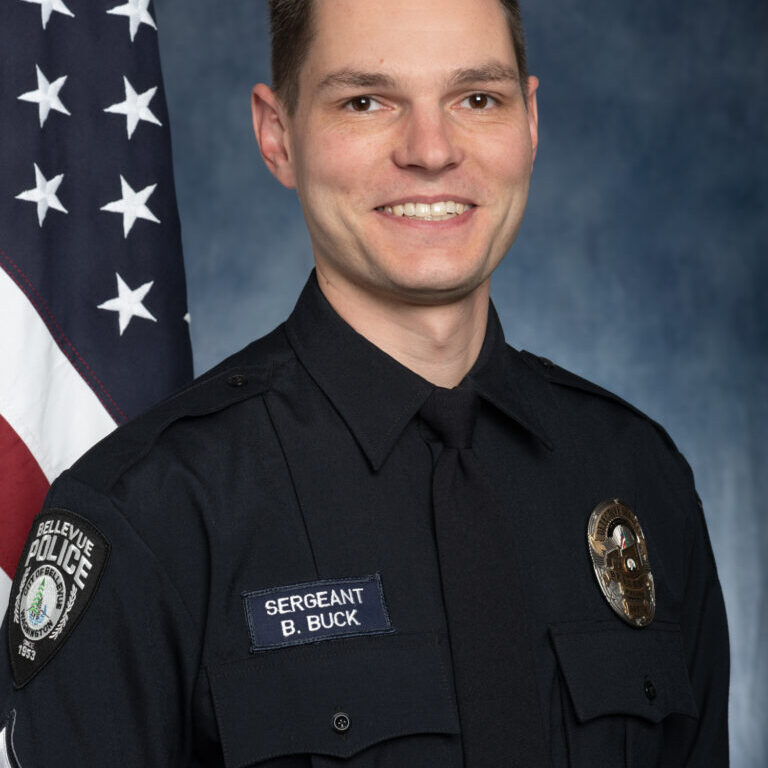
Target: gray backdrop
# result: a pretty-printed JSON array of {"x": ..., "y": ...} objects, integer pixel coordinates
[{"x": 641, "y": 264}]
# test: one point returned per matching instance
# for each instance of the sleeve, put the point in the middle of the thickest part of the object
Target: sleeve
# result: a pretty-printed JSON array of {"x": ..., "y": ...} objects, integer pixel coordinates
[
  {"x": 704, "y": 741},
  {"x": 98, "y": 652}
]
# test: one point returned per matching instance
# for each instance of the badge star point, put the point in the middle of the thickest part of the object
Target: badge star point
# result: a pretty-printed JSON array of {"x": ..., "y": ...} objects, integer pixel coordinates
[
  {"x": 46, "y": 96},
  {"x": 137, "y": 13},
  {"x": 47, "y": 7},
  {"x": 129, "y": 303},
  {"x": 133, "y": 205},
  {"x": 44, "y": 194},
  {"x": 135, "y": 107}
]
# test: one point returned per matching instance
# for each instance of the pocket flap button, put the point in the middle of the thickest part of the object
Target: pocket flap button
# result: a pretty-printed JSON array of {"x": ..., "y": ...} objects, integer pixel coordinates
[{"x": 341, "y": 722}]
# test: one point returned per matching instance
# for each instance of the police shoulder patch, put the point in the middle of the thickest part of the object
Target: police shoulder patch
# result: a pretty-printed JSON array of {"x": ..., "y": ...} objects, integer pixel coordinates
[
  {"x": 8, "y": 757},
  {"x": 60, "y": 568}
]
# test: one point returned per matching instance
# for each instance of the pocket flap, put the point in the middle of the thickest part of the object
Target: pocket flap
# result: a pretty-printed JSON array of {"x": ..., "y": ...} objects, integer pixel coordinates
[
  {"x": 283, "y": 702},
  {"x": 613, "y": 670}
]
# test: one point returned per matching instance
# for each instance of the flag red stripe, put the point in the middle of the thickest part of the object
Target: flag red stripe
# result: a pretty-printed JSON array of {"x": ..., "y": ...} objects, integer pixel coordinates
[{"x": 22, "y": 490}]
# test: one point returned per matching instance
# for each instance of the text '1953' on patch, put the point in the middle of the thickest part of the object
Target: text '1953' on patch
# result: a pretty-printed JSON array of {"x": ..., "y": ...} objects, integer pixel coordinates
[
  {"x": 318, "y": 610},
  {"x": 56, "y": 578}
]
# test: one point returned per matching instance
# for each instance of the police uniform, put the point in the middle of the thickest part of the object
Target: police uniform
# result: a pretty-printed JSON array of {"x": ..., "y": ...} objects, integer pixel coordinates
[{"x": 256, "y": 581}]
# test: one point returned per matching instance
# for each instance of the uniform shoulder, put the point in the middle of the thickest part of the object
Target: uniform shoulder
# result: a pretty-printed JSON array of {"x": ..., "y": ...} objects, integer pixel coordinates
[
  {"x": 240, "y": 377},
  {"x": 561, "y": 378}
]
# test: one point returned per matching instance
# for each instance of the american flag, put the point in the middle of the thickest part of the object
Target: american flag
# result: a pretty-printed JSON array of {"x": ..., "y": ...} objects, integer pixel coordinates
[{"x": 93, "y": 315}]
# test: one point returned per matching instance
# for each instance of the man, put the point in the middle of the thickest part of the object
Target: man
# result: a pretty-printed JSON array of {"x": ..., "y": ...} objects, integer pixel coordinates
[{"x": 378, "y": 536}]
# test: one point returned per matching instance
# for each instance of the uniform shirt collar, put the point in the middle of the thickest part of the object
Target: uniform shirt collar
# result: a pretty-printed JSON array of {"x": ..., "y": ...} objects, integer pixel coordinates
[{"x": 376, "y": 395}]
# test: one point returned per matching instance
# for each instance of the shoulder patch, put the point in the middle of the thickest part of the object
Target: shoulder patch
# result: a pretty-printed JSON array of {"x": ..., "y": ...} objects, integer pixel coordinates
[
  {"x": 8, "y": 757},
  {"x": 61, "y": 566}
]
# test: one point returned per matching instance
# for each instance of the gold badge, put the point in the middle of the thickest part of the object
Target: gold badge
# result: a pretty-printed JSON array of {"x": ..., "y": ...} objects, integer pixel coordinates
[{"x": 620, "y": 558}]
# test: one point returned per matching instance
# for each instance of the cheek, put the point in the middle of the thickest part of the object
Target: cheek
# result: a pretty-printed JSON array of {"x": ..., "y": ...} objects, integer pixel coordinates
[
  {"x": 505, "y": 155},
  {"x": 337, "y": 164},
  {"x": 331, "y": 185}
]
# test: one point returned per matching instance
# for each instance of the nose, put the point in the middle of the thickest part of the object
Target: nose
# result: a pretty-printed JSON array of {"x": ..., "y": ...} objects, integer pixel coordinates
[{"x": 428, "y": 141}]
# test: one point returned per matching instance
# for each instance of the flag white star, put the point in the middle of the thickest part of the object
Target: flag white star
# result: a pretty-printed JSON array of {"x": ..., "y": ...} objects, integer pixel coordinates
[
  {"x": 132, "y": 205},
  {"x": 136, "y": 11},
  {"x": 128, "y": 303},
  {"x": 135, "y": 107},
  {"x": 47, "y": 7},
  {"x": 46, "y": 96},
  {"x": 188, "y": 318},
  {"x": 44, "y": 194}
]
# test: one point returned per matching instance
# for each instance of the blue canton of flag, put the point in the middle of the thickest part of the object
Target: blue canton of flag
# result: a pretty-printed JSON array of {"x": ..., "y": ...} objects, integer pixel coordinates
[{"x": 93, "y": 315}]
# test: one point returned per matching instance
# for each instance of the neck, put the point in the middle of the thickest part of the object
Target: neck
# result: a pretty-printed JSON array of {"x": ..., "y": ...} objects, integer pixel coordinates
[{"x": 439, "y": 342}]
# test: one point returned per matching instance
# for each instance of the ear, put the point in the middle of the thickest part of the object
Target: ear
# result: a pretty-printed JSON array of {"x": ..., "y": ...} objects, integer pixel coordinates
[
  {"x": 533, "y": 115},
  {"x": 270, "y": 124}
]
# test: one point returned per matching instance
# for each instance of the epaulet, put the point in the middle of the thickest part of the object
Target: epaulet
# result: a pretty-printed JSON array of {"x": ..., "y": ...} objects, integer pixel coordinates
[
  {"x": 562, "y": 377},
  {"x": 109, "y": 459}
]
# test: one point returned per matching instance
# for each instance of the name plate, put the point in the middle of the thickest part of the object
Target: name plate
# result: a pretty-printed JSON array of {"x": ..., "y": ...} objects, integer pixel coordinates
[{"x": 315, "y": 611}]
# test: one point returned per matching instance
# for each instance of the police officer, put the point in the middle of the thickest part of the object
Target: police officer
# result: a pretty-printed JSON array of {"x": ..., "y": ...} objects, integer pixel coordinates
[{"x": 378, "y": 536}]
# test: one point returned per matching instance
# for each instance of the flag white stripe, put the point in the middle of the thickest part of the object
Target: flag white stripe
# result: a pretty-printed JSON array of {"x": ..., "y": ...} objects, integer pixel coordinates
[
  {"x": 42, "y": 396},
  {"x": 4, "y": 760},
  {"x": 5, "y": 591}
]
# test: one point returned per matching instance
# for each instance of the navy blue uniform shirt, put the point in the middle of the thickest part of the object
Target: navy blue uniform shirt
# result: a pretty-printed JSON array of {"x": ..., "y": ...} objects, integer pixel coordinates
[{"x": 247, "y": 574}]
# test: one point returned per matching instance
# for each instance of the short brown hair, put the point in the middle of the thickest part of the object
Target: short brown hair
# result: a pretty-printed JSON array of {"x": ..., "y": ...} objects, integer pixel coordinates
[{"x": 292, "y": 33}]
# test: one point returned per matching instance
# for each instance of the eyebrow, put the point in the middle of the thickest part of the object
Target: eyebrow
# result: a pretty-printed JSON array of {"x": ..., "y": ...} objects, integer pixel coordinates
[
  {"x": 487, "y": 73},
  {"x": 354, "y": 78}
]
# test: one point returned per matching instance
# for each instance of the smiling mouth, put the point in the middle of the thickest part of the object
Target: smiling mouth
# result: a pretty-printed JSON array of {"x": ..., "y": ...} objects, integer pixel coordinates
[{"x": 440, "y": 211}]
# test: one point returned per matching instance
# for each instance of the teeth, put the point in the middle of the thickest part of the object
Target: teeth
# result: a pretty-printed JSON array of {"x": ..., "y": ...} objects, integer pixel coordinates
[{"x": 435, "y": 212}]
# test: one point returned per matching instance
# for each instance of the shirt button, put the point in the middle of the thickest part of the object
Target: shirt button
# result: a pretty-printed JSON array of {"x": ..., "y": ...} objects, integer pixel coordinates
[
  {"x": 341, "y": 722},
  {"x": 650, "y": 690},
  {"x": 238, "y": 380}
]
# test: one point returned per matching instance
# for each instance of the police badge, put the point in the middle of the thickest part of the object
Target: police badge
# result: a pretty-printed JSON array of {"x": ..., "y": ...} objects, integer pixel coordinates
[{"x": 619, "y": 555}]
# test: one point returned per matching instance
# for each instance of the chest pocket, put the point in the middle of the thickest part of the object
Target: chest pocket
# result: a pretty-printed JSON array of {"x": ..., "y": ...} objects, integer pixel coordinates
[
  {"x": 618, "y": 684},
  {"x": 376, "y": 701}
]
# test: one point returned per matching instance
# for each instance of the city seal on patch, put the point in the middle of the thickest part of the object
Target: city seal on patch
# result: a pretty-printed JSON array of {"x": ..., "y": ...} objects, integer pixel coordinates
[
  {"x": 42, "y": 602},
  {"x": 60, "y": 568},
  {"x": 619, "y": 556}
]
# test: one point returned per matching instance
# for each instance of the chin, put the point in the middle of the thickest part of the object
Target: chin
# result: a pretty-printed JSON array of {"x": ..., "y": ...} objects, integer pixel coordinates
[
  {"x": 433, "y": 289},
  {"x": 436, "y": 277}
]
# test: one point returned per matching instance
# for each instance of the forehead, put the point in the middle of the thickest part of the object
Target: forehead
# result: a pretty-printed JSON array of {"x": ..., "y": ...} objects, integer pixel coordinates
[{"x": 415, "y": 38}]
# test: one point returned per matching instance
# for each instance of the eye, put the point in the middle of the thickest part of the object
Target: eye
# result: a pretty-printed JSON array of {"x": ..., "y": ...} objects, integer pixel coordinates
[
  {"x": 363, "y": 104},
  {"x": 479, "y": 101}
]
